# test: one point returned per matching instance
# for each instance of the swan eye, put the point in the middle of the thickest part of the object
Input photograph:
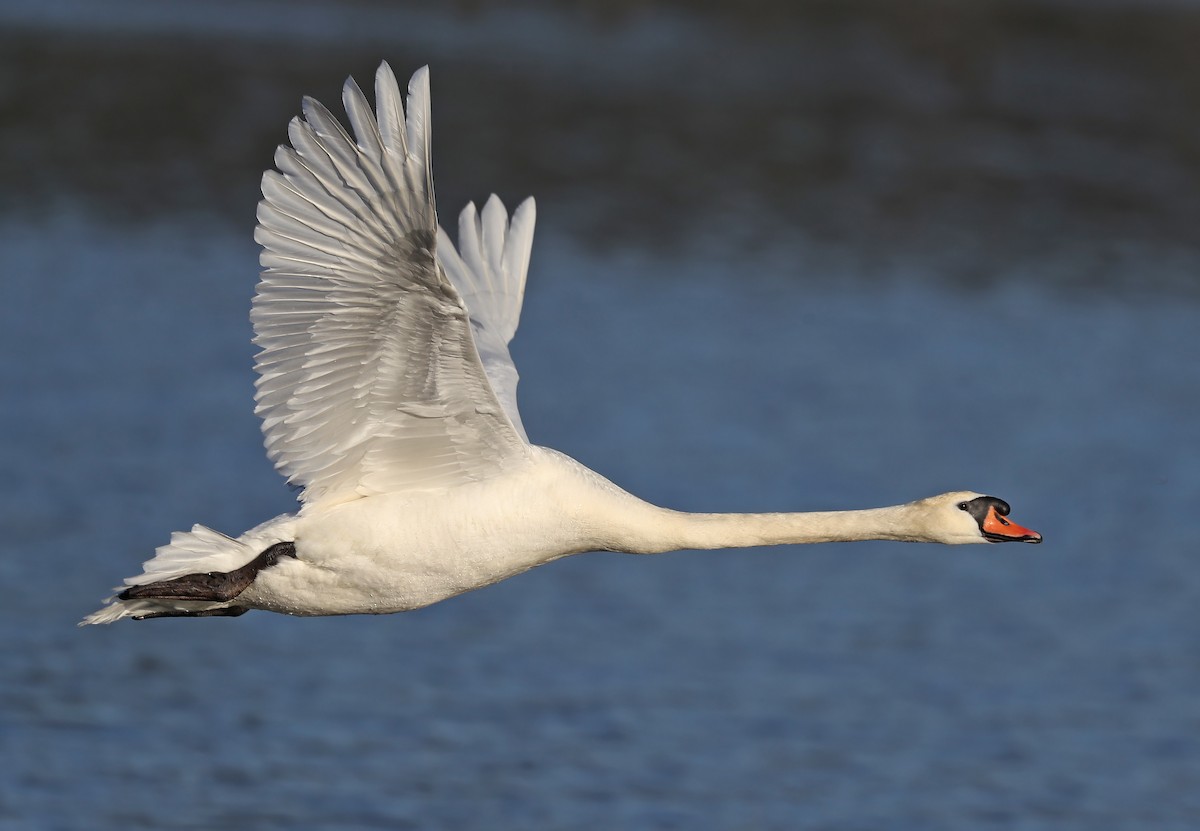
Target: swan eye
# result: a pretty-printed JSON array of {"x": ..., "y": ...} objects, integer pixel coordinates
[{"x": 962, "y": 506}]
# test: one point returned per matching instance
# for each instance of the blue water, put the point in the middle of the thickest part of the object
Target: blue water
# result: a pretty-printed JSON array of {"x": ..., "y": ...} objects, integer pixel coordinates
[{"x": 1037, "y": 343}]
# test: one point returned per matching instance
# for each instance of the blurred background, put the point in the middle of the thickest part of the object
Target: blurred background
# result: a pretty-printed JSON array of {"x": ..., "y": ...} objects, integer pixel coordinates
[{"x": 791, "y": 255}]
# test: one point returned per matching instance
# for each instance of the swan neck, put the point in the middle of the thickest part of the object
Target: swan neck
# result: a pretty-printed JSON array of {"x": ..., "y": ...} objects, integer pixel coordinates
[{"x": 672, "y": 530}]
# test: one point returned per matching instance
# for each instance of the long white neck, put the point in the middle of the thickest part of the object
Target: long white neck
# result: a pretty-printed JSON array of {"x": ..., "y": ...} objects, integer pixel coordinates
[
  {"x": 655, "y": 529},
  {"x": 606, "y": 517}
]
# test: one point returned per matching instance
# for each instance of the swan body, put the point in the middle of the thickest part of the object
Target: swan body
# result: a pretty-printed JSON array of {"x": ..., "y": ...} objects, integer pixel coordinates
[{"x": 388, "y": 394}]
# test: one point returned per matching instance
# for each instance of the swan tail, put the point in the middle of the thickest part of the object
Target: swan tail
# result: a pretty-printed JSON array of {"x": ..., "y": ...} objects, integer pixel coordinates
[{"x": 200, "y": 550}]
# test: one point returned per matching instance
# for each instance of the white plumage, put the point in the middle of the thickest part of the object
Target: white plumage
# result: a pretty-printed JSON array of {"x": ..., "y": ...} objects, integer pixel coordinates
[
  {"x": 387, "y": 393},
  {"x": 350, "y": 305}
]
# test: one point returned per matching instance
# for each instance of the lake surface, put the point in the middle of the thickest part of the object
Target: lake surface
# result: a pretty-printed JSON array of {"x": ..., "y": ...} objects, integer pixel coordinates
[{"x": 797, "y": 260}]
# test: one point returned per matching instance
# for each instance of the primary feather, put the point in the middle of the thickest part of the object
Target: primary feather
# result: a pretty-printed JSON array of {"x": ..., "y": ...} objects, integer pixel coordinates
[
  {"x": 490, "y": 277},
  {"x": 370, "y": 377}
]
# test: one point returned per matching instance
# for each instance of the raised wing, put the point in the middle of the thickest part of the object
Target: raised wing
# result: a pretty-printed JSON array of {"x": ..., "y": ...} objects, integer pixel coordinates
[
  {"x": 370, "y": 381},
  {"x": 490, "y": 276}
]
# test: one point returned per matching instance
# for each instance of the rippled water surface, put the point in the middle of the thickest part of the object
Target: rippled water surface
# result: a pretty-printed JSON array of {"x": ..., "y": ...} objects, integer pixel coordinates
[{"x": 805, "y": 259}]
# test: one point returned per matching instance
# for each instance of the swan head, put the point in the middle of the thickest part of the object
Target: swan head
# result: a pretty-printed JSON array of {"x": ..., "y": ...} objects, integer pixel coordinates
[{"x": 968, "y": 517}]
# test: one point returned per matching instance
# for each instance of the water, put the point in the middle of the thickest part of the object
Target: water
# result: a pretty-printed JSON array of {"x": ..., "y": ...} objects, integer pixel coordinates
[{"x": 777, "y": 327}]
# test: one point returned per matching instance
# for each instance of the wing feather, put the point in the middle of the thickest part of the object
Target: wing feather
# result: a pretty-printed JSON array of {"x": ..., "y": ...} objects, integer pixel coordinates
[
  {"x": 370, "y": 380},
  {"x": 391, "y": 111},
  {"x": 489, "y": 268}
]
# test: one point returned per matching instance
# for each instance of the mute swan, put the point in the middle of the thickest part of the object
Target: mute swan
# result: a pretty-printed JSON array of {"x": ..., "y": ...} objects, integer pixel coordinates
[{"x": 387, "y": 393}]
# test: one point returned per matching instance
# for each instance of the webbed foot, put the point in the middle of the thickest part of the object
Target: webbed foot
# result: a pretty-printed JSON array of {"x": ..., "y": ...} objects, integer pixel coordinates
[
  {"x": 218, "y": 586},
  {"x": 224, "y": 611}
]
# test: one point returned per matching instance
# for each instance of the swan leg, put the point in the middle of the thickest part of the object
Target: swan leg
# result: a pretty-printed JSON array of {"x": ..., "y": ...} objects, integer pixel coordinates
[
  {"x": 224, "y": 611},
  {"x": 219, "y": 586}
]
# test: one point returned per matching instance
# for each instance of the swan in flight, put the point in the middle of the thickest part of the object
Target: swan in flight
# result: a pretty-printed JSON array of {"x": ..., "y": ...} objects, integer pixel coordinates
[{"x": 387, "y": 393}]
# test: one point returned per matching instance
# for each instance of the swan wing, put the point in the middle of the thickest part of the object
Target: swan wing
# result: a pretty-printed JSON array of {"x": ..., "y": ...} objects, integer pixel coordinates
[
  {"x": 369, "y": 377},
  {"x": 488, "y": 269}
]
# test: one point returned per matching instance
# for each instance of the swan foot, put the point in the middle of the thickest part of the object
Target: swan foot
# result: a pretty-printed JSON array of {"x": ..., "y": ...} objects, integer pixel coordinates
[
  {"x": 219, "y": 586},
  {"x": 224, "y": 611}
]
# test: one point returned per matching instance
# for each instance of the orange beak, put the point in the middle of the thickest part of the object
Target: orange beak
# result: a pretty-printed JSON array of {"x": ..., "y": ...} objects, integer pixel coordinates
[{"x": 998, "y": 529}]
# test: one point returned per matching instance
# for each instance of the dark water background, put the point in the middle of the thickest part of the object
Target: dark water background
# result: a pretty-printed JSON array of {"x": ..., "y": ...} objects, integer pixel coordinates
[{"x": 790, "y": 256}]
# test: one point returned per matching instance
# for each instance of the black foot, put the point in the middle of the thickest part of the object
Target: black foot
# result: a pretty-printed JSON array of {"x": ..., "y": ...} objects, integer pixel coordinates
[
  {"x": 227, "y": 611},
  {"x": 218, "y": 586}
]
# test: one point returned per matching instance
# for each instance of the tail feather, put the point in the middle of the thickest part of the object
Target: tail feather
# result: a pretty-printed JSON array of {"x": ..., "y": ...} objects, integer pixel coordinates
[{"x": 199, "y": 550}]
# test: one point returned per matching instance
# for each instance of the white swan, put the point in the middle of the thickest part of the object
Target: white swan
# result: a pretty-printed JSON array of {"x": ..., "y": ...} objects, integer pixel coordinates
[{"x": 387, "y": 392}]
